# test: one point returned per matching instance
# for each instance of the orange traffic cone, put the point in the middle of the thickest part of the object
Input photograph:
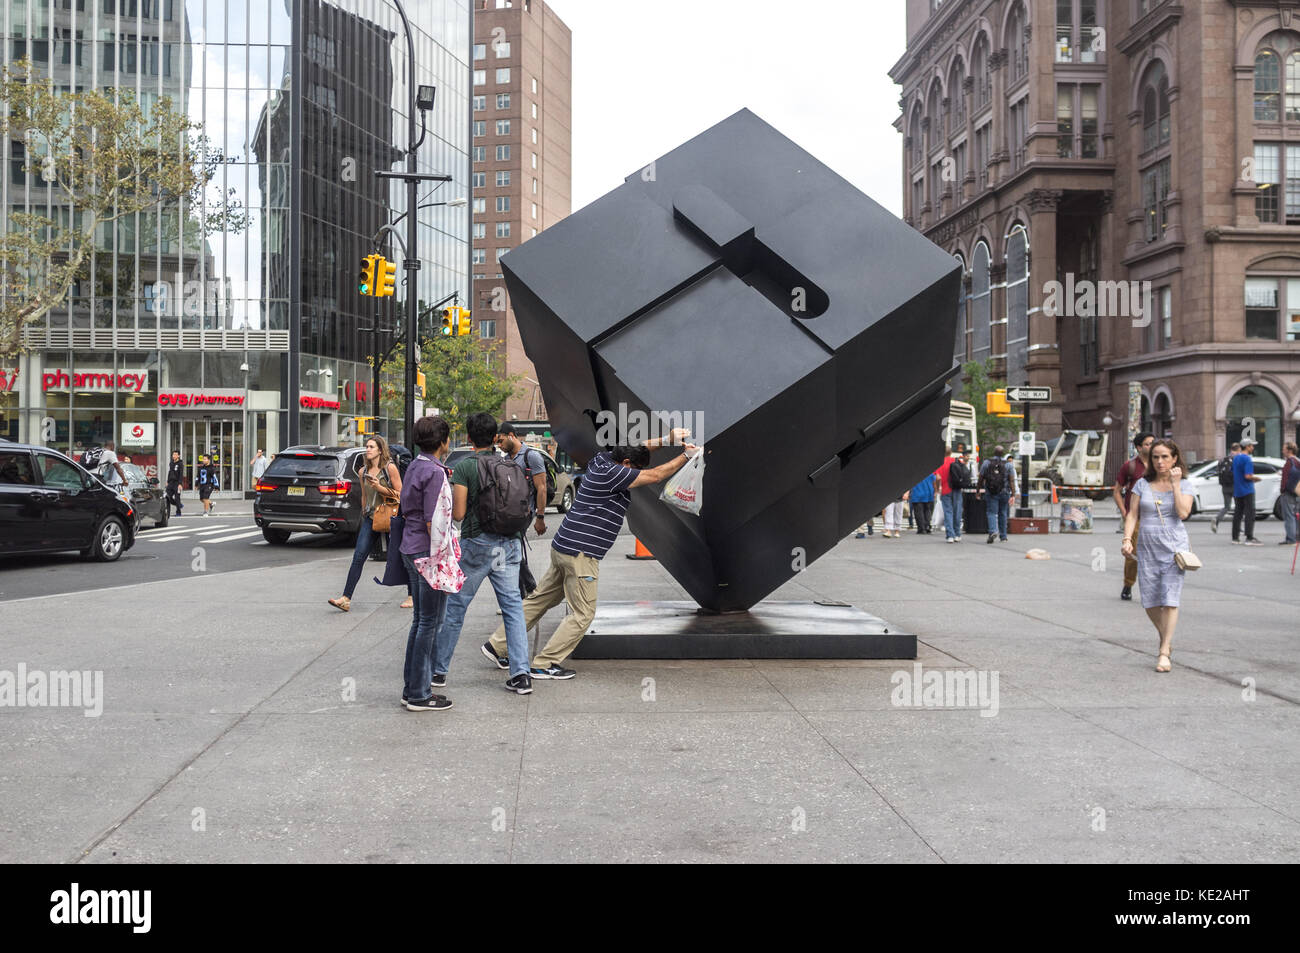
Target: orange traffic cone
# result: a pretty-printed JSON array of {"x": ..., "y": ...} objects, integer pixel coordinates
[
  {"x": 641, "y": 551},
  {"x": 1054, "y": 499}
]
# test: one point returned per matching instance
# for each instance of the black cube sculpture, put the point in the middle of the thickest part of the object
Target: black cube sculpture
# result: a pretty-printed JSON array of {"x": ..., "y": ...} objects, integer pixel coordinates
[{"x": 739, "y": 279}]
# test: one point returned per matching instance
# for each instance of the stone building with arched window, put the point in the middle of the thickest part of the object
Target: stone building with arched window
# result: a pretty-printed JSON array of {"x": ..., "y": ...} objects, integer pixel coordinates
[{"x": 1121, "y": 183}]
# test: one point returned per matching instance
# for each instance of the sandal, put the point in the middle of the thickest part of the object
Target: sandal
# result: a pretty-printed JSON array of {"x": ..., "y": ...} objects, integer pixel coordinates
[
  {"x": 1168, "y": 665},
  {"x": 342, "y": 603},
  {"x": 407, "y": 603}
]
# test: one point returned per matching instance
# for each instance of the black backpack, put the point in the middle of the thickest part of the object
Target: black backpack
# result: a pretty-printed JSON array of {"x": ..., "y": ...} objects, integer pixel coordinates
[
  {"x": 995, "y": 477},
  {"x": 503, "y": 504},
  {"x": 90, "y": 459},
  {"x": 958, "y": 477},
  {"x": 400, "y": 455},
  {"x": 1225, "y": 471}
]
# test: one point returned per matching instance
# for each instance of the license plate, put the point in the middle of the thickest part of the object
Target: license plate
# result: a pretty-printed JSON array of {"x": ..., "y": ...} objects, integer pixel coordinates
[{"x": 297, "y": 491}]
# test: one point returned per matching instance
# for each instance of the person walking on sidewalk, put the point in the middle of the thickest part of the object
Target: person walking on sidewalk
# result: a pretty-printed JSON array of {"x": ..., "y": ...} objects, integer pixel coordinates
[
  {"x": 1132, "y": 471},
  {"x": 997, "y": 479},
  {"x": 1243, "y": 494},
  {"x": 952, "y": 476},
  {"x": 209, "y": 482},
  {"x": 588, "y": 531},
  {"x": 426, "y": 501},
  {"x": 1226, "y": 482},
  {"x": 491, "y": 548},
  {"x": 380, "y": 483},
  {"x": 1154, "y": 531},
  {"x": 1289, "y": 501},
  {"x": 175, "y": 474},
  {"x": 921, "y": 498}
]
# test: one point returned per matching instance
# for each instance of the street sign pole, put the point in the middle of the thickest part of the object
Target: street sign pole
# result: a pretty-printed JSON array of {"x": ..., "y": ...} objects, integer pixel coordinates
[{"x": 1024, "y": 509}]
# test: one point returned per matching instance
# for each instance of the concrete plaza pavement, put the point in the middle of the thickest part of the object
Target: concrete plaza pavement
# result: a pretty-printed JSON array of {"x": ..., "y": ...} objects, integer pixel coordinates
[{"x": 245, "y": 720}]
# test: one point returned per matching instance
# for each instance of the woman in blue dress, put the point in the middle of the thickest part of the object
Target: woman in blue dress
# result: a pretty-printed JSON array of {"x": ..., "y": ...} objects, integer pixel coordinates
[{"x": 1164, "y": 501}]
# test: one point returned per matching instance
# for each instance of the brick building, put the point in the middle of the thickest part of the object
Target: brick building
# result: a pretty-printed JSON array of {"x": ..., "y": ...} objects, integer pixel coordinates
[
  {"x": 1101, "y": 144},
  {"x": 522, "y": 168}
]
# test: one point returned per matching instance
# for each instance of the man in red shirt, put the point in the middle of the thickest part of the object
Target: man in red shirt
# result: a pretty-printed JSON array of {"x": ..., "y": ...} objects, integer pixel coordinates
[
  {"x": 950, "y": 500},
  {"x": 1129, "y": 474}
]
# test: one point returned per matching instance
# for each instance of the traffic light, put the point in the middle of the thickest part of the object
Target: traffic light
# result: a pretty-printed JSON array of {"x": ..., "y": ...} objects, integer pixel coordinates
[
  {"x": 995, "y": 402},
  {"x": 365, "y": 425},
  {"x": 448, "y": 320},
  {"x": 386, "y": 277},
  {"x": 366, "y": 283},
  {"x": 455, "y": 321},
  {"x": 463, "y": 322},
  {"x": 419, "y": 385}
]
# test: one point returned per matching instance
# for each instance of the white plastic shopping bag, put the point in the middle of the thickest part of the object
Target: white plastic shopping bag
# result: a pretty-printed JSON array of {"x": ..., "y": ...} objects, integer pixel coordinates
[{"x": 685, "y": 488}]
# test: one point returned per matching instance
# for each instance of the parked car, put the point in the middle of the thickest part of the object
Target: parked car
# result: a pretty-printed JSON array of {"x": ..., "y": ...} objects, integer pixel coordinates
[
  {"x": 310, "y": 489},
  {"x": 1209, "y": 496},
  {"x": 560, "y": 485},
  {"x": 49, "y": 504},
  {"x": 145, "y": 495}
]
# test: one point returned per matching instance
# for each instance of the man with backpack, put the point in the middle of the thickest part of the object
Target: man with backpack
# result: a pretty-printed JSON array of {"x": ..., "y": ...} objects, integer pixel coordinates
[
  {"x": 1224, "y": 473},
  {"x": 1243, "y": 493},
  {"x": 534, "y": 466},
  {"x": 489, "y": 495},
  {"x": 953, "y": 477},
  {"x": 102, "y": 461},
  {"x": 997, "y": 479},
  {"x": 208, "y": 481},
  {"x": 1132, "y": 471},
  {"x": 1288, "y": 497}
]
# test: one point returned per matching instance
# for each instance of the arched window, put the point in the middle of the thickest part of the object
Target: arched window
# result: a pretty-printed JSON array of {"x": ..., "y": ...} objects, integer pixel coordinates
[
  {"x": 1017, "y": 304},
  {"x": 1277, "y": 162},
  {"x": 956, "y": 97},
  {"x": 933, "y": 113},
  {"x": 1155, "y": 108},
  {"x": 1256, "y": 413},
  {"x": 1162, "y": 417},
  {"x": 1018, "y": 44},
  {"x": 917, "y": 150},
  {"x": 980, "y": 70},
  {"x": 980, "y": 311},
  {"x": 959, "y": 343}
]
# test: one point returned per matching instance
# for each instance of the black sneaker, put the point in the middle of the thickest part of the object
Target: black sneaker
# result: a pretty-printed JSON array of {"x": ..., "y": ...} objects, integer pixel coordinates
[
  {"x": 1252, "y": 541},
  {"x": 490, "y": 654},
  {"x": 1126, "y": 593},
  {"x": 553, "y": 672},
  {"x": 520, "y": 685},
  {"x": 431, "y": 684},
  {"x": 432, "y": 703},
  {"x": 438, "y": 681},
  {"x": 992, "y": 536}
]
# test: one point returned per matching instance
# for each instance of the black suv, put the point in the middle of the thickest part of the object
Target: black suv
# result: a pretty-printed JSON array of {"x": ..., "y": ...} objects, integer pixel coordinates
[
  {"x": 309, "y": 490},
  {"x": 48, "y": 503}
]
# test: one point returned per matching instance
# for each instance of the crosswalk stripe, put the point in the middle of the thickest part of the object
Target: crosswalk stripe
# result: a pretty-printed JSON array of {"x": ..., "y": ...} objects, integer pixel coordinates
[
  {"x": 226, "y": 539},
  {"x": 169, "y": 535}
]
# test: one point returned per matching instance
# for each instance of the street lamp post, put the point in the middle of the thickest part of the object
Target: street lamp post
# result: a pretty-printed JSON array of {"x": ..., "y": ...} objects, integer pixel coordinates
[{"x": 421, "y": 99}]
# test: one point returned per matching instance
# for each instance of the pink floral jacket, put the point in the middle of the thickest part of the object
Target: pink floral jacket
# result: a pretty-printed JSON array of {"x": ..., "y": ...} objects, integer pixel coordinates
[{"x": 441, "y": 569}]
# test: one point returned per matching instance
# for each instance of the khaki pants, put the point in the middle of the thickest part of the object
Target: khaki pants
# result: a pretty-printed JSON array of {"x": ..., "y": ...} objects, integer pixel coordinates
[
  {"x": 1130, "y": 562},
  {"x": 571, "y": 579}
]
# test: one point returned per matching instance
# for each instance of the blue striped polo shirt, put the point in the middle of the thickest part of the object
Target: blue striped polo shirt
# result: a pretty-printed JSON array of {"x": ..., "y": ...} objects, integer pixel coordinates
[{"x": 593, "y": 522}]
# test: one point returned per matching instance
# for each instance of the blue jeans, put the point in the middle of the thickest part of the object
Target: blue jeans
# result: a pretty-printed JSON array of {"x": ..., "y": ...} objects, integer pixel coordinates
[
  {"x": 430, "y": 607},
  {"x": 365, "y": 542},
  {"x": 951, "y": 513},
  {"x": 487, "y": 557},
  {"x": 998, "y": 509}
]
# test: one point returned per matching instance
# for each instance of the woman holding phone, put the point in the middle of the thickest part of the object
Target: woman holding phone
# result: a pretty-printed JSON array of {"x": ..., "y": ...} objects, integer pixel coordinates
[
  {"x": 1164, "y": 498},
  {"x": 380, "y": 482}
]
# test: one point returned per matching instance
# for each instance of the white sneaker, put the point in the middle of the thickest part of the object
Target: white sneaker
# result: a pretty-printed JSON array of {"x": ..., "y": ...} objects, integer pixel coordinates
[
  {"x": 951, "y": 540},
  {"x": 957, "y": 539}
]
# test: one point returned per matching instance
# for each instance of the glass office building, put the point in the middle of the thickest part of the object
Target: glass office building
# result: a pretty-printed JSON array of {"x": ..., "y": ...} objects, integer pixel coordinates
[{"x": 203, "y": 335}]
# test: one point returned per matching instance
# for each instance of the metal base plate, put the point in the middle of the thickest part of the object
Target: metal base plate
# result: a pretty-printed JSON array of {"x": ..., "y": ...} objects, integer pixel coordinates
[{"x": 770, "y": 630}]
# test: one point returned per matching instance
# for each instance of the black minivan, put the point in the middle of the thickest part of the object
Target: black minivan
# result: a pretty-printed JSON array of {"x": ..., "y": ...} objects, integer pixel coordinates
[
  {"x": 309, "y": 490},
  {"x": 49, "y": 504}
]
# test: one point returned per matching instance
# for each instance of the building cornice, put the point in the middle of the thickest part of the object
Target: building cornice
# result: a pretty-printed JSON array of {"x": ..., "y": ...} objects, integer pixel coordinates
[
  {"x": 1156, "y": 22},
  {"x": 946, "y": 21},
  {"x": 1205, "y": 358}
]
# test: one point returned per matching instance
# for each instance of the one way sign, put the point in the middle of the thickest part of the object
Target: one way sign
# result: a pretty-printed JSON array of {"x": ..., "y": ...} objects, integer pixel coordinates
[{"x": 1030, "y": 395}]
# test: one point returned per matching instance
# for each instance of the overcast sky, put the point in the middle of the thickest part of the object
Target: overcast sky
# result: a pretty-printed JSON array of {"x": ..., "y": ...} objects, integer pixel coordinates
[{"x": 649, "y": 76}]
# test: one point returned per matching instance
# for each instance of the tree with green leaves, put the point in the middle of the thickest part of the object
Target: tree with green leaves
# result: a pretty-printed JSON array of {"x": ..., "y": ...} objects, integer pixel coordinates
[
  {"x": 106, "y": 158},
  {"x": 989, "y": 430},
  {"x": 457, "y": 378}
]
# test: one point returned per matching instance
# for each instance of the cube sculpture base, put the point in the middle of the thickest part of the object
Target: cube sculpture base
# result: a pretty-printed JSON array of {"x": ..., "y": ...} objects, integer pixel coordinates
[
  {"x": 1032, "y": 525},
  {"x": 770, "y": 630}
]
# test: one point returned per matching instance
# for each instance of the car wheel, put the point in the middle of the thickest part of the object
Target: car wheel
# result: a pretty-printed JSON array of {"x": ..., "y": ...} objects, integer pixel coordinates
[
  {"x": 161, "y": 522},
  {"x": 110, "y": 540},
  {"x": 276, "y": 537},
  {"x": 566, "y": 500}
]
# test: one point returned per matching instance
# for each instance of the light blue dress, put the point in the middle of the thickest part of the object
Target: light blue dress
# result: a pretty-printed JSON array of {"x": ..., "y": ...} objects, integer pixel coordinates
[{"x": 1160, "y": 535}]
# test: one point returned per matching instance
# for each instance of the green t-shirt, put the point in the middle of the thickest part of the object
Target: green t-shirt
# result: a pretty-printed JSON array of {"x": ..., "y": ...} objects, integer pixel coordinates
[{"x": 465, "y": 474}]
